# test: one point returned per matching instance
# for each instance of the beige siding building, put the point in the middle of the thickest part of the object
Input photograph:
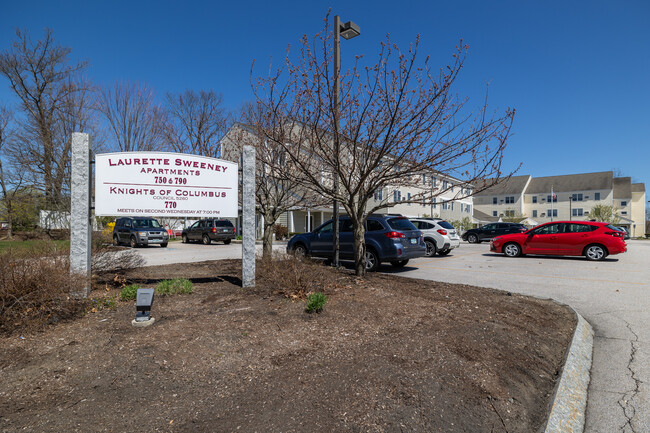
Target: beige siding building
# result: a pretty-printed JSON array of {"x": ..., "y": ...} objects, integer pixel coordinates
[{"x": 568, "y": 197}]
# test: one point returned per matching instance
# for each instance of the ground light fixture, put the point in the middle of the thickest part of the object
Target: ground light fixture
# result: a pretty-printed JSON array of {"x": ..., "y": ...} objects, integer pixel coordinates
[{"x": 143, "y": 303}]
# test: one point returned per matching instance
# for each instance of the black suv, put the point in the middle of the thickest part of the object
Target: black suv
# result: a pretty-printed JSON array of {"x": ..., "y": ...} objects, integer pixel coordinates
[
  {"x": 208, "y": 230},
  {"x": 488, "y": 231},
  {"x": 139, "y": 231}
]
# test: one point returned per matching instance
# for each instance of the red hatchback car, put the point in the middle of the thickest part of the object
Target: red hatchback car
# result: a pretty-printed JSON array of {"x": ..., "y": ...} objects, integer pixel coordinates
[{"x": 594, "y": 240}]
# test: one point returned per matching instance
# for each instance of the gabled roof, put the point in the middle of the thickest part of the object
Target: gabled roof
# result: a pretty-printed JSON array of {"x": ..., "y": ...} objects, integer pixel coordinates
[
  {"x": 622, "y": 187},
  {"x": 514, "y": 185},
  {"x": 571, "y": 182},
  {"x": 638, "y": 187},
  {"x": 482, "y": 216}
]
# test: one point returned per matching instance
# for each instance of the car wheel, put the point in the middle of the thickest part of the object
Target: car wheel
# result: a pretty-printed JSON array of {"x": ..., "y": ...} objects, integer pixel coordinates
[
  {"x": 133, "y": 242},
  {"x": 512, "y": 250},
  {"x": 431, "y": 248},
  {"x": 472, "y": 239},
  {"x": 164, "y": 245},
  {"x": 116, "y": 241},
  {"x": 399, "y": 263},
  {"x": 372, "y": 261},
  {"x": 595, "y": 252},
  {"x": 227, "y": 241},
  {"x": 300, "y": 251},
  {"x": 206, "y": 240},
  {"x": 444, "y": 252}
]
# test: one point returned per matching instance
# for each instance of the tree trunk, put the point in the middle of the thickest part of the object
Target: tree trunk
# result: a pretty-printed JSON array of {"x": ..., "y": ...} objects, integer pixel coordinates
[
  {"x": 359, "y": 249},
  {"x": 267, "y": 240}
]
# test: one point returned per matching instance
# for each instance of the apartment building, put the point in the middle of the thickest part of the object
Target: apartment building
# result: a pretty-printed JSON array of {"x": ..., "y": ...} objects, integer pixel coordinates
[
  {"x": 567, "y": 197},
  {"x": 454, "y": 198}
]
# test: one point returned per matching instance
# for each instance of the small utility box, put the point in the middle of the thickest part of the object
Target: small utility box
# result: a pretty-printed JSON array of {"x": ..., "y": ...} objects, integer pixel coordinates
[{"x": 143, "y": 303}]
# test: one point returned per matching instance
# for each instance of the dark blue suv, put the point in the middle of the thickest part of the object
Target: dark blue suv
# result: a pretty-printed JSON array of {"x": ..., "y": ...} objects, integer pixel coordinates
[{"x": 389, "y": 238}]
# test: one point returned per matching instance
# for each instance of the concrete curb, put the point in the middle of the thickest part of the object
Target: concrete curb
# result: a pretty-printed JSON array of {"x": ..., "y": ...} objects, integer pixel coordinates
[{"x": 570, "y": 400}]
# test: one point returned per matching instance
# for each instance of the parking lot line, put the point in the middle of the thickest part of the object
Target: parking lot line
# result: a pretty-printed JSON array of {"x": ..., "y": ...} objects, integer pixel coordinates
[{"x": 531, "y": 275}]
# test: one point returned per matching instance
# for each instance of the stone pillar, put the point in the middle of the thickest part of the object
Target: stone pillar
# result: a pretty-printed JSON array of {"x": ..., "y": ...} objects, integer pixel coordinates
[
  {"x": 248, "y": 214},
  {"x": 80, "y": 227}
]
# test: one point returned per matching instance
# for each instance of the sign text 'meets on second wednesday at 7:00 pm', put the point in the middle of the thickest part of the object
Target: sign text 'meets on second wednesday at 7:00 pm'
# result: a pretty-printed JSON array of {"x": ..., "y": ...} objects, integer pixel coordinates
[{"x": 165, "y": 184}]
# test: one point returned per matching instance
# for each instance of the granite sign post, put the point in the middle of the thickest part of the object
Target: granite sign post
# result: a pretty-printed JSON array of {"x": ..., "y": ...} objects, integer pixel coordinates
[
  {"x": 248, "y": 212},
  {"x": 80, "y": 227}
]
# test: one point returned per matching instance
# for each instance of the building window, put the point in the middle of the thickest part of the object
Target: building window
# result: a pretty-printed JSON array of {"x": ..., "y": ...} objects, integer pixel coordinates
[
  {"x": 576, "y": 197},
  {"x": 468, "y": 208},
  {"x": 596, "y": 196},
  {"x": 494, "y": 213},
  {"x": 424, "y": 179},
  {"x": 408, "y": 197},
  {"x": 435, "y": 182},
  {"x": 452, "y": 205},
  {"x": 534, "y": 214},
  {"x": 548, "y": 198},
  {"x": 510, "y": 213},
  {"x": 623, "y": 203},
  {"x": 577, "y": 212},
  {"x": 379, "y": 195},
  {"x": 397, "y": 196},
  {"x": 444, "y": 184},
  {"x": 510, "y": 199},
  {"x": 534, "y": 199},
  {"x": 495, "y": 200},
  {"x": 434, "y": 202},
  {"x": 551, "y": 212},
  {"x": 445, "y": 206},
  {"x": 624, "y": 213}
]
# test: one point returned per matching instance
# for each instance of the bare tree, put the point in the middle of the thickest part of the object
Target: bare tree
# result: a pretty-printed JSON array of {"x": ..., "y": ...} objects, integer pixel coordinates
[
  {"x": 40, "y": 76},
  {"x": 134, "y": 116},
  {"x": 398, "y": 119},
  {"x": 10, "y": 179},
  {"x": 278, "y": 184},
  {"x": 197, "y": 121}
]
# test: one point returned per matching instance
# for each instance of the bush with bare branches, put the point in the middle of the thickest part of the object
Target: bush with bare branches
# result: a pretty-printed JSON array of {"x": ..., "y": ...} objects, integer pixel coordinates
[{"x": 34, "y": 288}]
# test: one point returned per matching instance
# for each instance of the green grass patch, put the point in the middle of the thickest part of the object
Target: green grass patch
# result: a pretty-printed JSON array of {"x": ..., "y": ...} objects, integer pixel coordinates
[
  {"x": 315, "y": 302},
  {"x": 128, "y": 293},
  {"x": 33, "y": 244},
  {"x": 172, "y": 287}
]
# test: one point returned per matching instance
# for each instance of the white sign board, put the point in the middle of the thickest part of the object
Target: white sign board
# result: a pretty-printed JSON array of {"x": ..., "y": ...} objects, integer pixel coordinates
[{"x": 165, "y": 184}]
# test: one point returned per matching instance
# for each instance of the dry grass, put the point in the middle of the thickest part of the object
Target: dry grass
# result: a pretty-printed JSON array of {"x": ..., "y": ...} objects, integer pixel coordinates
[{"x": 295, "y": 278}]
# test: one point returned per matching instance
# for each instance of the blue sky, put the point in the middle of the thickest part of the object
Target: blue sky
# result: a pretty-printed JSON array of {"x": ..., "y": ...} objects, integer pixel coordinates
[{"x": 577, "y": 72}]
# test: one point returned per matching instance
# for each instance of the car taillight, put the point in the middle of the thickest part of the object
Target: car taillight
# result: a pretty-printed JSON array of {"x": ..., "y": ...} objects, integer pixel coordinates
[
  {"x": 214, "y": 229},
  {"x": 615, "y": 234},
  {"x": 442, "y": 232},
  {"x": 395, "y": 235}
]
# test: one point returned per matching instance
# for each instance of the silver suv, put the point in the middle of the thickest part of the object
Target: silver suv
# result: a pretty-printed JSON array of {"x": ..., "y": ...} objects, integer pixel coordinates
[{"x": 439, "y": 236}]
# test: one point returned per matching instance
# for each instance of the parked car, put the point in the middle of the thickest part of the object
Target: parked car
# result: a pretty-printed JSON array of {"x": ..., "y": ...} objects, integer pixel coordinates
[
  {"x": 439, "y": 236},
  {"x": 594, "y": 240},
  {"x": 488, "y": 231},
  {"x": 139, "y": 231},
  {"x": 626, "y": 234},
  {"x": 208, "y": 230},
  {"x": 389, "y": 238}
]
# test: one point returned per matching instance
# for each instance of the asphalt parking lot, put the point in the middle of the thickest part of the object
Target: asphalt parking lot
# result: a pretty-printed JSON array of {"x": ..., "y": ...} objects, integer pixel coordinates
[{"x": 613, "y": 295}]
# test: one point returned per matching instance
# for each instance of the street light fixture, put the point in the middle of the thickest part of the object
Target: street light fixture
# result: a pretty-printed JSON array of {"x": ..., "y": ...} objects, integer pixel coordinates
[{"x": 348, "y": 30}]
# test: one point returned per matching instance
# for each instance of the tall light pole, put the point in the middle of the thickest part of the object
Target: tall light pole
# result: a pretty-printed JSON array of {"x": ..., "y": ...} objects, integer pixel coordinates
[{"x": 348, "y": 30}]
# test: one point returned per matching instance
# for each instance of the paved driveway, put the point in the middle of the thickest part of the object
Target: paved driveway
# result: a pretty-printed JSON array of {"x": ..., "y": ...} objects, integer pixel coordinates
[{"x": 613, "y": 295}]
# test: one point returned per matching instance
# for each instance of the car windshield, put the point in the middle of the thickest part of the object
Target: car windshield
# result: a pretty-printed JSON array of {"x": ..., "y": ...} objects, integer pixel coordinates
[
  {"x": 445, "y": 225},
  {"x": 146, "y": 224},
  {"x": 401, "y": 224}
]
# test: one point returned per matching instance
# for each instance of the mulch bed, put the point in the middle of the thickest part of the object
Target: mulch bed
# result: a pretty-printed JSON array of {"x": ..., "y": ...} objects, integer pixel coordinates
[{"x": 387, "y": 354}]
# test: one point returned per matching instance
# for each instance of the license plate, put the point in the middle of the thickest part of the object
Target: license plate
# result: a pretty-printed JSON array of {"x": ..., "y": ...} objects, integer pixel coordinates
[
  {"x": 155, "y": 240},
  {"x": 414, "y": 240}
]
